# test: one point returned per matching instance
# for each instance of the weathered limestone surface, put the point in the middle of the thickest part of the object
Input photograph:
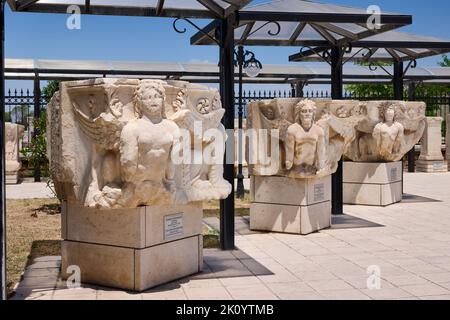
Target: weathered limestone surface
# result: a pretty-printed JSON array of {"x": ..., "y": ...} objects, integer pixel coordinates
[
  {"x": 13, "y": 135},
  {"x": 305, "y": 139},
  {"x": 388, "y": 131},
  {"x": 373, "y": 131},
  {"x": 431, "y": 158},
  {"x": 372, "y": 183},
  {"x": 118, "y": 143},
  {"x": 132, "y": 161}
]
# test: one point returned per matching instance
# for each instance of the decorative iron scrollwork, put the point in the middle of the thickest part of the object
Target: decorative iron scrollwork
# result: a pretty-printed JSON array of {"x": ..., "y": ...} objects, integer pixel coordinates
[
  {"x": 269, "y": 32},
  {"x": 183, "y": 30}
]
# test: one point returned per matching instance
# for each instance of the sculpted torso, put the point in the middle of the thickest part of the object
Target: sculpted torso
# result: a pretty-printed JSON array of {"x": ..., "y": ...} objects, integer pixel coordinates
[
  {"x": 388, "y": 137},
  {"x": 306, "y": 143},
  {"x": 149, "y": 149}
]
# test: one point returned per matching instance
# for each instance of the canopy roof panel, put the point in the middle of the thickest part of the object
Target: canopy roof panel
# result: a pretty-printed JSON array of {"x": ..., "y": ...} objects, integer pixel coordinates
[
  {"x": 298, "y": 22},
  {"x": 202, "y": 72},
  {"x": 387, "y": 47}
]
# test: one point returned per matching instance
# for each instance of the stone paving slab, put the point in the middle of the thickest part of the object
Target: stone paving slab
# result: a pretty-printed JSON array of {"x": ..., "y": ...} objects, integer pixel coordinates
[
  {"x": 408, "y": 243},
  {"x": 29, "y": 190}
]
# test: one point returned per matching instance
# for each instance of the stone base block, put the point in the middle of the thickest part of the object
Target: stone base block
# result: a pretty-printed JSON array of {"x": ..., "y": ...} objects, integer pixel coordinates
[
  {"x": 373, "y": 184},
  {"x": 133, "y": 269},
  {"x": 11, "y": 178},
  {"x": 132, "y": 249},
  {"x": 281, "y": 204},
  {"x": 290, "y": 219},
  {"x": 432, "y": 166}
]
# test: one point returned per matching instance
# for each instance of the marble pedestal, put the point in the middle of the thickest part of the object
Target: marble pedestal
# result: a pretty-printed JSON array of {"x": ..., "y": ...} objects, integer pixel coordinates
[
  {"x": 288, "y": 205},
  {"x": 431, "y": 166},
  {"x": 372, "y": 183},
  {"x": 431, "y": 158},
  {"x": 12, "y": 171},
  {"x": 12, "y": 178},
  {"x": 132, "y": 249}
]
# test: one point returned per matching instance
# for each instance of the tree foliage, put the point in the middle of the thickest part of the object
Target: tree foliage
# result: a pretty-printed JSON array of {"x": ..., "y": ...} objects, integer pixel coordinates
[
  {"x": 387, "y": 90},
  {"x": 445, "y": 61},
  {"x": 50, "y": 89}
]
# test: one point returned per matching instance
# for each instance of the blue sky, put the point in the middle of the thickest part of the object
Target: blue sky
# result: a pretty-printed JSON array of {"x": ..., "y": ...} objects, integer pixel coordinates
[{"x": 45, "y": 36}]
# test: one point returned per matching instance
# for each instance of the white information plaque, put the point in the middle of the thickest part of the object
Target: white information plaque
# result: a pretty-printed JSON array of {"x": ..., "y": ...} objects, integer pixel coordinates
[{"x": 173, "y": 226}]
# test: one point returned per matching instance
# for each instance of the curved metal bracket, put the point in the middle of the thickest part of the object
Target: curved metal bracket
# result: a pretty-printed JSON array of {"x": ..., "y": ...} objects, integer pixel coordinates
[
  {"x": 174, "y": 25},
  {"x": 324, "y": 55},
  {"x": 269, "y": 32},
  {"x": 411, "y": 65},
  {"x": 368, "y": 53},
  {"x": 374, "y": 66},
  {"x": 347, "y": 48}
]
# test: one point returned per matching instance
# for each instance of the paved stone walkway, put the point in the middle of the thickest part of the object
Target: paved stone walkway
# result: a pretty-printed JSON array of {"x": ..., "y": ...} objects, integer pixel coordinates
[
  {"x": 28, "y": 190},
  {"x": 409, "y": 243}
]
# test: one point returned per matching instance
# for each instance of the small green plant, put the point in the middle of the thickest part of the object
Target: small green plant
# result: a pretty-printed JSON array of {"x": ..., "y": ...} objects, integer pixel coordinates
[{"x": 36, "y": 151}]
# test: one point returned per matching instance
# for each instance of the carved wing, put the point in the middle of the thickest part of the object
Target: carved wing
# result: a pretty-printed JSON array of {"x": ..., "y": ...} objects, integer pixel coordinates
[
  {"x": 104, "y": 130},
  {"x": 278, "y": 123}
]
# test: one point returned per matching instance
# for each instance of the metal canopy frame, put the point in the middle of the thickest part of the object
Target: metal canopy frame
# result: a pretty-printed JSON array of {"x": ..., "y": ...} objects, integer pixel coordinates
[
  {"x": 207, "y": 9},
  {"x": 389, "y": 47},
  {"x": 229, "y": 16},
  {"x": 325, "y": 24}
]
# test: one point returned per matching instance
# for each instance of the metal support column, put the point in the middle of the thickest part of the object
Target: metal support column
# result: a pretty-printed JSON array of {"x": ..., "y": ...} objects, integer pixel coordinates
[
  {"x": 412, "y": 152},
  {"x": 398, "y": 89},
  {"x": 227, "y": 93},
  {"x": 240, "y": 191},
  {"x": 2, "y": 160},
  {"x": 337, "y": 198},
  {"x": 37, "y": 114},
  {"x": 398, "y": 80},
  {"x": 299, "y": 89}
]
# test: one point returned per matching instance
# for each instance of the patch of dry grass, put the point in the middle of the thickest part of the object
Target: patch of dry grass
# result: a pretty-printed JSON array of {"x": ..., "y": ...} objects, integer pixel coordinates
[
  {"x": 33, "y": 229},
  {"x": 242, "y": 207}
]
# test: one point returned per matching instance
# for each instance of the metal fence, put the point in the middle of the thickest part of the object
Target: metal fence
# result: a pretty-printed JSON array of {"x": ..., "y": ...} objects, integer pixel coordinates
[{"x": 19, "y": 108}]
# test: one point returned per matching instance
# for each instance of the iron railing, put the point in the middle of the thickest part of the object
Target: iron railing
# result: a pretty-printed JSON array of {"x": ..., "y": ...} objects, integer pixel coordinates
[{"x": 19, "y": 108}]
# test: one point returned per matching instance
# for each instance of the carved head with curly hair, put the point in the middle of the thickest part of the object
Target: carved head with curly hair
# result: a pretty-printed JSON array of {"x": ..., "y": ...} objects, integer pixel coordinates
[
  {"x": 149, "y": 98},
  {"x": 388, "y": 112},
  {"x": 304, "y": 113}
]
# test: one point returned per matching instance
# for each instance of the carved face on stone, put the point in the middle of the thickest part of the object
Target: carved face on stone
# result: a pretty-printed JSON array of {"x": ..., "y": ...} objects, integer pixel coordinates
[
  {"x": 304, "y": 113},
  {"x": 269, "y": 113},
  {"x": 152, "y": 101},
  {"x": 387, "y": 113},
  {"x": 359, "y": 110},
  {"x": 149, "y": 98},
  {"x": 341, "y": 112}
]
